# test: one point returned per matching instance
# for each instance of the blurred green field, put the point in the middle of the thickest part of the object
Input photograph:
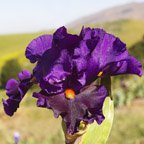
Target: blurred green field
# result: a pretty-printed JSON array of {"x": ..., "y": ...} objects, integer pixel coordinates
[
  {"x": 128, "y": 126},
  {"x": 39, "y": 126},
  {"x": 13, "y": 46}
]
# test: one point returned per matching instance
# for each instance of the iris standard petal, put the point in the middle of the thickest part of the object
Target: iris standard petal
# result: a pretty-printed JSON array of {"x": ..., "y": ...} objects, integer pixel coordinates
[
  {"x": 100, "y": 54},
  {"x": 109, "y": 50},
  {"x": 105, "y": 48},
  {"x": 64, "y": 40},
  {"x": 37, "y": 47}
]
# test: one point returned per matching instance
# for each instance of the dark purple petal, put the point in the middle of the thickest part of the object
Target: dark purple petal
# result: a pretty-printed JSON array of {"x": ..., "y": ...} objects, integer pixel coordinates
[
  {"x": 37, "y": 47},
  {"x": 41, "y": 100},
  {"x": 58, "y": 103},
  {"x": 76, "y": 82},
  {"x": 12, "y": 87},
  {"x": 98, "y": 116},
  {"x": 16, "y": 94},
  {"x": 85, "y": 33},
  {"x": 53, "y": 70},
  {"x": 76, "y": 113},
  {"x": 93, "y": 98},
  {"x": 128, "y": 66},
  {"x": 10, "y": 106},
  {"x": 52, "y": 89},
  {"x": 109, "y": 50},
  {"x": 64, "y": 40},
  {"x": 25, "y": 74},
  {"x": 81, "y": 51},
  {"x": 81, "y": 64},
  {"x": 61, "y": 68},
  {"x": 87, "y": 106}
]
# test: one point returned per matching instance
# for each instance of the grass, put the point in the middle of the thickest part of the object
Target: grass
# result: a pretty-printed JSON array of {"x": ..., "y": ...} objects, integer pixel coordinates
[{"x": 128, "y": 127}]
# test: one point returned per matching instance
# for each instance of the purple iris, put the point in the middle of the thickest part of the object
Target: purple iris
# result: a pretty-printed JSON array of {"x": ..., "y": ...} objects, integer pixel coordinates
[
  {"x": 16, "y": 91},
  {"x": 66, "y": 67}
]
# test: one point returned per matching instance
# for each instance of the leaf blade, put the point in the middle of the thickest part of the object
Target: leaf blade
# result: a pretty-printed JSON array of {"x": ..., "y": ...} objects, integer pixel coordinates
[{"x": 98, "y": 134}]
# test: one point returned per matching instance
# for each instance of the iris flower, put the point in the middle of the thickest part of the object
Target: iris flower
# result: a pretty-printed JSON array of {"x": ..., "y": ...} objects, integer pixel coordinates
[
  {"x": 66, "y": 67},
  {"x": 16, "y": 91}
]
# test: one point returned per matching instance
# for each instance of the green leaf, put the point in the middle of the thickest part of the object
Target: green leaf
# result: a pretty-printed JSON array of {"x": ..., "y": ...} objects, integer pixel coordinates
[{"x": 98, "y": 134}]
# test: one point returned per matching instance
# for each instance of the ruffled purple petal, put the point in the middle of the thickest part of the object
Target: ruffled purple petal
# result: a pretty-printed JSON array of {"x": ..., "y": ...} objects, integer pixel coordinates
[
  {"x": 12, "y": 87},
  {"x": 10, "y": 106},
  {"x": 37, "y": 47},
  {"x": 128, "y": 66},
  {"x": 53, "y": 70},
  {"x": 85, "y": 33},
  {"x": 64, "y": 40},
  {"x": 58, "y": 103},
  {"x": 109, "y": 50},
  {"x": 93, "y": 98},
  {"x": 100, "y": 52},
  {"x": 87, "y": 106}
]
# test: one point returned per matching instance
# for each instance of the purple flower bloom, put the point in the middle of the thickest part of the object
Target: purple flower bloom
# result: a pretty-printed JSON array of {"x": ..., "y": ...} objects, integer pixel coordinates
[
  {"x": 16, "y": 91},
  {"x": 65, "y": 60},
  {"x": 66, "y": 67}
]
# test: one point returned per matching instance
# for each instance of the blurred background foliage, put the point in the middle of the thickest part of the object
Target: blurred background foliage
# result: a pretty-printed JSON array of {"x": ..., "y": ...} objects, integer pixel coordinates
[
  {"x": 9, "y": 70},
  {"x": 37, "y": 125}
]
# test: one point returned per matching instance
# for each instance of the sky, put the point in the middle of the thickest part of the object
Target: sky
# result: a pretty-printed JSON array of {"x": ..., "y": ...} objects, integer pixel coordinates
[{"x": 21, "y": 16}]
